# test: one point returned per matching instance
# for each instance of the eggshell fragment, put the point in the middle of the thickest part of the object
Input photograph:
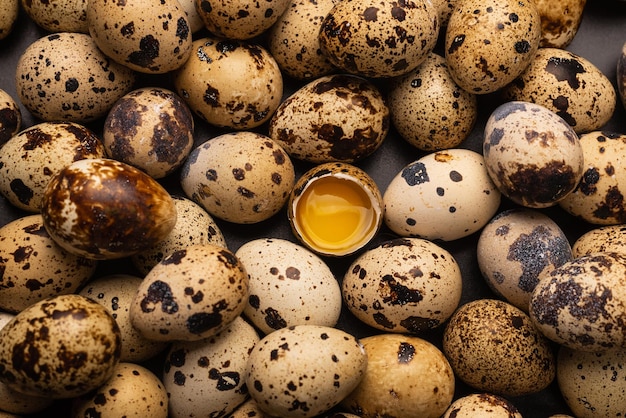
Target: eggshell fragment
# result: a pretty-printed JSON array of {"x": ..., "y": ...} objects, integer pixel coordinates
[
  {"x": 10, "y": 117},
  {"x": 610, "y": 238},
  {"x": 483, "y": 405}
]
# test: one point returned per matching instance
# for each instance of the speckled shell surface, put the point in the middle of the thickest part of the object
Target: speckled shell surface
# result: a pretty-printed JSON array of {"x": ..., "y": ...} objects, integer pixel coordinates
[
  {"x": 148, "y": 37},
  {"x": 376, "y": 38},
  {"x": 482, "y": 405},
  {"x": 151, "y": 129},
  {"x": 79, "y": 352},
  {"x": 580, "y": 305},
  {"x": 598, "y": 197},
  {"x": 289, "y": 285},
  {"x": 559, "y": 21},
  {"x": 516, "y": 248},
  {"x": 489, "y": 44},
  {"x": 10, "y": 117},
  {"x": 304, "y": 370},
  {"x": 32, "y": 157},
  {"x": 249, "y": 409},
  {"x": 9, "y": 10},
  {"x": 621, "y": 75},
  {"x": 406, "y": 285},
  {"x": 241, "y": 177},
  {"x": 206, "y": 378},
  {"x": 406, "y": 377},
  {"x": 58, "y": 15},
  {"x": 494, "y": 347},
  {"x": 228, "y": 83},
  {"x": 609, "y": 238},
  {"x": 443, "y": 195},
  {"x": 569, "y": 85},
  {"x": 33, "y": 267},
  {"x": 332, "y": 118},
  {"x": 64, "y": 76},
  {"x": 533, "y": 156},
  {"x": 428, "y": 109},
  {"x": 190, "y": 295},
  {"x": 102, "y": 209}
]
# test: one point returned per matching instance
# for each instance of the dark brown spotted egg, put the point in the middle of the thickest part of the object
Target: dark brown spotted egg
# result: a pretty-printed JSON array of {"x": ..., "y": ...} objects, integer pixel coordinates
[
  {"x": 67, "y": 346},
  {"x": 580, "y": 305},
  {"x": 379, "y": 39},
  {"x": 102, "y": 209},
  {"x": 9, "y": 11},
  {"x": 207, "y": 377},
  {"x": 332, "y": 118},
  {"x": 304, "y": 370},
  {"x": 150, "y": 128},
  {"x": 132, "y": 391},
  {"x": 486, "y": 405},
  {"x": 32, "y": 157},
  {"x": 428, "y": 109},
  {"x": 560, "y": 21},
  {"x": 228, "y": 83},
  {"x": 148, "y": 37},
  {"x": 33, "y": 267},
  {"x": 569, "y": 85},
  {"x": 64, "y": 76},
  {"x": 248, "y": 409},
  {"x": 533, "y": 155},
  {"x": 190, "y": 295},
  {"x": 489, "y": 44},
  {"x": 515, "y": 248},
  {"x": 407, "y": 285},
  {"x": 494, "y": 347},
  {"x": 608, "y": 238},
  {"x": 289, "y": 285},
  {"x": 443, "y": 195},
  {"x": 195, "y": 21},
  {"x": 58, "y": 16},
  {"x": 599, "y": 196},
  {"x": 10, "y": 117}
]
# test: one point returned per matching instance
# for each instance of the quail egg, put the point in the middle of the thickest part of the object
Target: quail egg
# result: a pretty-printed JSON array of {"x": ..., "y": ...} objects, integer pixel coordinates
[
  {"x": 10, "y": 117},
  {"x": 608, "y": 238},
  {"x": 560, "y": 21},
  {"x": 59, "y": 15},
  {"x": 482, "y": 405},
  {"x": 9, "y": 12}
]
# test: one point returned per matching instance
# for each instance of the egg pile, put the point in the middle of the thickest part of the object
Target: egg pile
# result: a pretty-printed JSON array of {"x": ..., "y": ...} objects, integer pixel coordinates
[{"x": 310, "y": 208}]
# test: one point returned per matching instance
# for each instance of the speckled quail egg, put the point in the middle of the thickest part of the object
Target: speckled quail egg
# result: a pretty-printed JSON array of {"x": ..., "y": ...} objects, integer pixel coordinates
[
  {"x": 9, "y": 11},
  {"x": 560, "y": 21},
  {"x": 206, "y": 378},
  {"x": 428, "y": 109},
  {"x": 379, "y": 38},
  {"x": 609, "y": 238},
  {"x": 33, "y": 267},
  {"x": 12, "y": 402},
  {"x": 332, "y": 118},
  {"x": 102, "y": 209},
  {"x": 193, "y": 17},
  {"x": 580, "y": 305},
  {"x": 593, "y": 384},
  {"x": 193, "y": 226},
  {"x": 482, "y": 405},
  {"x": 289, "y": 285},
  {"x": 64, "y": 76},
  {"x": 30, "y": 159},
  {"x": 621, "y": 75},
  {"x": 132, "y": 391},
  {"x": 489, "y": 44},
  {"x": 532, "y": 155},
  {"x": 598, "y": 197},
  {"x": 148, "y": 37},
  {"x": 443, "y": 195},
  {"x": 403, "y": 285},
  {"x": 406, "y": 376},
  {"x": 304, "y": 370},
  {"x": 335, "y": 209},
  {"x": 58, "y": 15},
  {"x": 10, "y": 117},
  {"x": 242, "y": 177},
  {"x": 116, "y": 292},
  {"x": 494, "y": 347},
  {"x": 67, "y": 345},
  {"x": 228, "y": 83},
  {"x": 294, "y": 39},
  {"x": 240, "y": 19},
  {"x": 515, "y": 248},
  {"x": 150, "y": 128},
  {"x": 190, "y": 295},
  {"x": 248, "y": 409},
  {"x": 569, "y": 85},
  {"x": 445, "y": 8}
]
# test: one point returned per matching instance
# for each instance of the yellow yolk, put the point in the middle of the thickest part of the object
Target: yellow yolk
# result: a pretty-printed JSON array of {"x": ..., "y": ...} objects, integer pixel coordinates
[{"x": 335, "y": 213}]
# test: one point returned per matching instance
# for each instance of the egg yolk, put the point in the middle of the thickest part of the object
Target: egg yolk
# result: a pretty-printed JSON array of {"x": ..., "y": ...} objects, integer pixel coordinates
[{"x": 335, "y": 214}]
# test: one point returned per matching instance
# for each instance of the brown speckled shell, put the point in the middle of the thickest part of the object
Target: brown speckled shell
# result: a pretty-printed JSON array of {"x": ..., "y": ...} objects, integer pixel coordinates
[
  {"x": 482, "y": 405},
  {"x": 102, "y": 209},
  {"x": 559, "y": 21},
  {"x": 621, "y": 75},
  {"x": 610, "y": 238},
  {"x": 494, "y": 347},
  {"x": 9, "y": 11},
  {"x": 248, "y": 409},
  {"x": 60, "y": 347},
  {"x": 58, "y": 15},
  {"x": 10, "y": 117}
]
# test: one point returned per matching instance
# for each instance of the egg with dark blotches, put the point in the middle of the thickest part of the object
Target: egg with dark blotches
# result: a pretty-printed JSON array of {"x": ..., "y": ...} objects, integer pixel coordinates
[
  {"x": 560, "y": 21},
  {"x": 608, "y": 238},
  {"x": 485, "y": 405},
  {"x": 10, "y": 117},
  {"x": 533, "y": 156},
  {"x": 103, "y": 209},
  {"x": 599, "y": 196},
  {"x": 567, "y": 84},
  {"x": 515, "y": 248},
  {"x": 580, "y": 305}
]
